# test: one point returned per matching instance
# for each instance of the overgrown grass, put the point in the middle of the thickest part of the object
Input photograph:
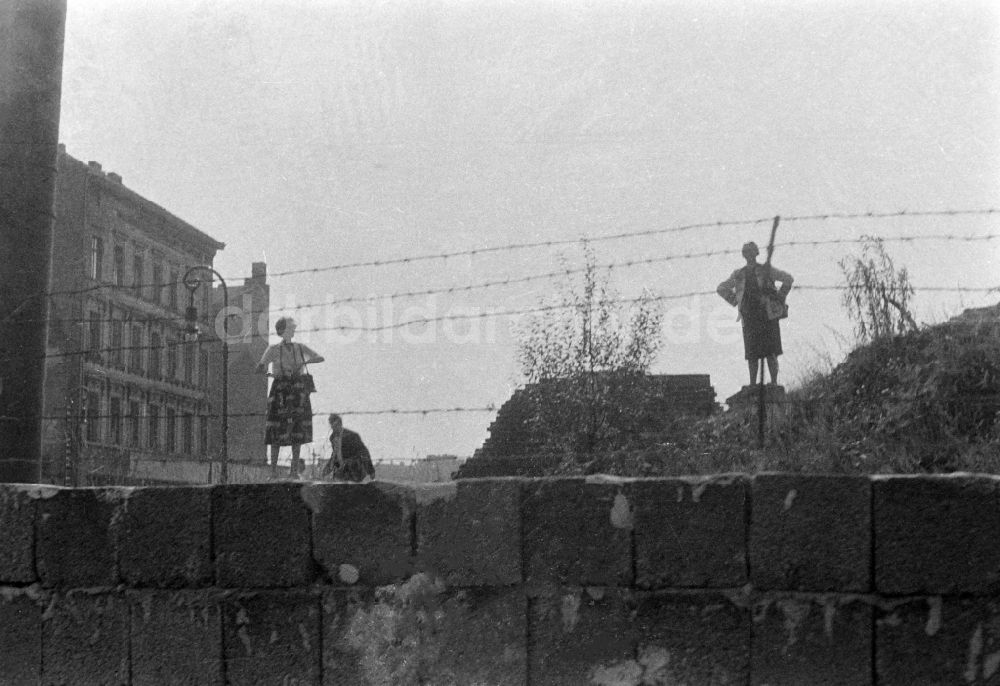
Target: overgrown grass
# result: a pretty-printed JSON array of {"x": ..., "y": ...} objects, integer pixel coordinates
[{"x": 926, "y": 401}]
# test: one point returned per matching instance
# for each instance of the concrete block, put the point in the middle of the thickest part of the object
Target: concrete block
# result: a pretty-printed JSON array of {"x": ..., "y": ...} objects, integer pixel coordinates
[
  {"x": 348, "y": 659},
  {"x": 811, "y": 533},
  {"x": 481, "y": 639},
  {"x": 469, "y": 533},
  {"x": 692, "y": 638},
  {"x": 85, "y": 639},
  {"x": 76, "y": 532},
  {"x": 933, "y": 640},
  {"x": 176, "y": 637},
  {"x": 20, "y": 635},
  {"x": 418, "y": 632},
  {"x": 577, "y": 532},
  {"x": 17, "y": 535},
  {"x": 272, "y": 637},
  {"x": 817, "y": 640},
  {"x": 166, "y": 536},
  {"x": 580, "y": 635},
  {"x": 690, "y": 532},
  {"x": 937, "y": 535},
  {"x": 394, "y": 638},
  {"x": 362, "y": 533},
  {"x": 261, "y": 536}
]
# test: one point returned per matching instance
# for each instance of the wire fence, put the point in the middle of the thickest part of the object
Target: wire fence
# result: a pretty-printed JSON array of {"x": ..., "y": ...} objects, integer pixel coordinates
[
  {"x": 530, "y": 278},
  {"x": 107, "y": 353},
  {"x": 598, "y": 238},
  {"x": 398, "y": 411},
  {"x": 530, "y": 245},
  {"x": 487, "y": 314}
]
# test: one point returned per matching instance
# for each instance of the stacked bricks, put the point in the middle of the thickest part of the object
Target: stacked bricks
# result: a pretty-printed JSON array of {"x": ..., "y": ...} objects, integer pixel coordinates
[
  {"x": 514, "y": 444},
  {"x": 767, "y": 580}
]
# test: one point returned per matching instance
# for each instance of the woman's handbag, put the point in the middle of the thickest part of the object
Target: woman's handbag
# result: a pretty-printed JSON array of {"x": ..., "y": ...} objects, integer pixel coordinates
[
  {"x": 774, "y": 306},
  {"x": 308, "y": 385}
]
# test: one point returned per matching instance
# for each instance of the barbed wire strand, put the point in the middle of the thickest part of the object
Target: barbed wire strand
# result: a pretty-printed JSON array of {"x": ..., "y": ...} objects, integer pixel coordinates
[
  {"x": 642, "y": 298},
  {"x": 509, "y": 281},
  {"x": 635, "y": 234},
  {"x": 523, "y": 311},
  {"x": 870, "y": 215},
  {"x": 316, "y": 413},
  {"x": 472, "y": 316}
]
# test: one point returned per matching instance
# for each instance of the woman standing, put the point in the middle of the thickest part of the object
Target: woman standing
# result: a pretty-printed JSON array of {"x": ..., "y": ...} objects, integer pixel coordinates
[
  {"x": 751, "y": 290},
  {"x": 289, "y": 411}
]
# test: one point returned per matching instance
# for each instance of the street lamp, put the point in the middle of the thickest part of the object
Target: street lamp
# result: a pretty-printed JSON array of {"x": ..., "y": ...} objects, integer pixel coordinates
[{"x": 191, "y": 333}]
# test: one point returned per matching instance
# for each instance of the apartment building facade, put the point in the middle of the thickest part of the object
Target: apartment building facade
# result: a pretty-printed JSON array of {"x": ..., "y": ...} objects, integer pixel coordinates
[{"x": 128, "y": 398}]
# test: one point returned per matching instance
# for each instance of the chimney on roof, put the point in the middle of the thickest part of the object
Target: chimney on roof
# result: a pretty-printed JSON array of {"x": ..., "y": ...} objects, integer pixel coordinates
[
  {"x": 94, "y": 166},
  {"x": 258, "y": 270},
  {"x": 117, "y": 178},
  {"x": 62, "y": 148}
]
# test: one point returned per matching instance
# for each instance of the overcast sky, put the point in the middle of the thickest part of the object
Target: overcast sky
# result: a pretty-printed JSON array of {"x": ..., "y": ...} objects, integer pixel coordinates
[{"x": 313, "y": 134}]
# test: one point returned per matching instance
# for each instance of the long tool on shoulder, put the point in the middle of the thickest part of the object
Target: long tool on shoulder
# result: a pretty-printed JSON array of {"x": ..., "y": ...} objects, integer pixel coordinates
[{"x": 761, "y": 408}]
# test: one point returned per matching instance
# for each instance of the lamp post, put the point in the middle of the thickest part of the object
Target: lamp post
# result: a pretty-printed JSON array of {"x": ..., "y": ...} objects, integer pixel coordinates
[{"x": 191, "y": 332}]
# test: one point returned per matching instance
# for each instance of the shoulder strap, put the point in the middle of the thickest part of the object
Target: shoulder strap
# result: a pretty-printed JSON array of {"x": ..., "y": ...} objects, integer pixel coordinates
[{"x": 298, "y": 347}]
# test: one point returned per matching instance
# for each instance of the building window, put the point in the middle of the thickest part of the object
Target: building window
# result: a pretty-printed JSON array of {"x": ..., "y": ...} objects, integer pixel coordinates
[
  {"x": 189, "y": 351},
  {"x": 117, "y": 327},
  {"x": 133, "y": 424},
  {"x": 171, "y": 436},
  {"x": 115, "y": 416},
  {"x": 119, "y": 275},
  {"x": 157, "y": 282},
  {"x": 96, "y": 257},
  {"x": 94, "y": 344},
  {"x": 172, "y": 360},
  {"x": 93, "y": 417},
  {"x": 203, "y": 434},
  {"x": 136, "y": 348},
  {"x": 137, "y": 275},
  {"x": 187, "y": 433},
  {"x": 155, "y": 370},
  {"x": 172, "y": 289},
  {"x": 153, "y": 433}
]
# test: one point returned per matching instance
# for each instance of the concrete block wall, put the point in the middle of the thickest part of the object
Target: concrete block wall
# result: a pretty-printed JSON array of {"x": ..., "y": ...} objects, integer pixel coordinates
[{"x": 765, "y": 581}]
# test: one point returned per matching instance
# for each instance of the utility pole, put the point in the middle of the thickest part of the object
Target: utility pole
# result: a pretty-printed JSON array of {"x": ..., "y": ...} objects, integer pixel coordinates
[
  {"x": 31, "y": 52},
  {"x": 761, "y": 406}
]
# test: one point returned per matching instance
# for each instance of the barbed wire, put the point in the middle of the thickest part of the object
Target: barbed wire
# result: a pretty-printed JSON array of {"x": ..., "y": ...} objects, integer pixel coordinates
[
  {"x": 516, "y": 246},
  {"x": 470, "y": 316},
  {"x": 636, "y": 234},
  {"x": 890, "y": 215},
  {"x": 50, "y": 295},
  {"x": 84, "y": 416},
  {"x": 533, "y": 310},
  {"x": 613, "y": 301},
  {"x": 105, "y": 285},
  {"x": 445, "y": 290},
  {"x": 870, "y": 215},
  {"x": 509, "y": 281},
  {"x": 237, "y": 415}
]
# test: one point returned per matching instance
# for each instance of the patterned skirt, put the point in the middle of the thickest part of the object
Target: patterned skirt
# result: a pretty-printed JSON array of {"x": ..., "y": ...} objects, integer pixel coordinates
[{"x": 289, "y": 413}]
